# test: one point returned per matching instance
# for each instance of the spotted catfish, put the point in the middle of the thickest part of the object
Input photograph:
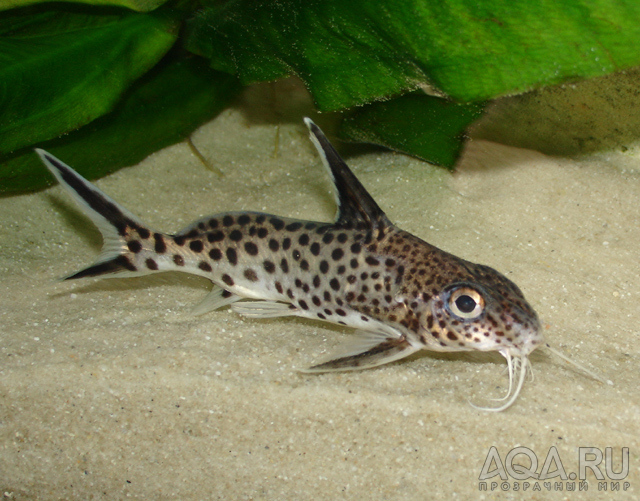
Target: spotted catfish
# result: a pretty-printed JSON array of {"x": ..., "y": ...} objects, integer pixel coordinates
[{"x": 401, "y": 293}]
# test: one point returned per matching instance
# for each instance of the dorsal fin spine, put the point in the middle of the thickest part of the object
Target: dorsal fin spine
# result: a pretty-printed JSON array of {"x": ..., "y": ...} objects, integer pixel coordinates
[{"x": 355, "y": 204}]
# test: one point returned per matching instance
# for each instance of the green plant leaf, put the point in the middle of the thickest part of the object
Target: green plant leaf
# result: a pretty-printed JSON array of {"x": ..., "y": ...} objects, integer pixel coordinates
[
  {"x": 357, "y": 51},
  {"x": 424, "y": 126},
  {"x": 61, "y": 68},
  {"x": 160, "y": 110},
  {"x": 137, "y": 5}
]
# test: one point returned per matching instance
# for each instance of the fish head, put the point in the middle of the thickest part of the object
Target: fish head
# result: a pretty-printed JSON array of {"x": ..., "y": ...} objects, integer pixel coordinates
[{"x": 480, "y": 309}]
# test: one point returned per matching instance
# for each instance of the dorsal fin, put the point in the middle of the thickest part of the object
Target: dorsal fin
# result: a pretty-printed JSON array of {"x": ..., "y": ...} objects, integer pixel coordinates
[{"x": 354, "y": 202}]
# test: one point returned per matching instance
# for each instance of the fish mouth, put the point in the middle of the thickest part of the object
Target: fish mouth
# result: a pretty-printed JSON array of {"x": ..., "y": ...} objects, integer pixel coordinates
[{"x": 528, "y": 338}]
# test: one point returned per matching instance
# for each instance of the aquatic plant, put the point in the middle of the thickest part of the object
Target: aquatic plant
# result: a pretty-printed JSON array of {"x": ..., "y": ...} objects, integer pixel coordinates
[{"x": 103, "y": 83}]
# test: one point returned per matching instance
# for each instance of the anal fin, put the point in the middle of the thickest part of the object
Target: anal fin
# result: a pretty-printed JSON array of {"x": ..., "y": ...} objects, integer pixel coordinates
[
  {"x": 368, "y": 349},
  {"x": 217, "y": 298},
  {"x": 264, "y": 309}
]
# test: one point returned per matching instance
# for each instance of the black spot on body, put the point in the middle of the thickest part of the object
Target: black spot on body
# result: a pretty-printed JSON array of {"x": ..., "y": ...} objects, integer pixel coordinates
[
  {"x": 337, "y": 254},
  {"x": 278, "y": 224},
  {"x": 227, "y": 279},
  {"x": 244, "y": 219},
  {"x": 160, "y": 246},
  {"x": 284, "y": 265},
  {"x": 235, "y": 235},
  {"x": 327, "y": 238},
  {"x": 286, "y": 243},
  {"x": 196, "y": 245},
  {"x": 342, "y": 238},
  {"x": 304, "y": 264},
  {"x": 274, "y": 245},
  {"x": 178, "y": 260},
  {"x": 293, "y": 226},
  {"x": 251, "y": 248},
  {"x": 213, "y": 223},
  {"x": 232, "y": 256},
  {"x": 215, "y": 236},
  {"x": 269, "y": 267},
  {"x": 227, "y": 220},
  {"x": 262, "y": 232},
  {"x": 303, "y": 304},
  {"x": 134, "y": 246},
  {"x": 315, "y": 248},
  {"x": 215, "y": 254},
  {"x": 304, "y": 239},
  {"x": 250, "y": 275},
  {"x": 151, "y": 264},
  {"x": 335, "y": 285},
  {"x": 204, "y": 266},
  {"x": 324, "y": 266}
]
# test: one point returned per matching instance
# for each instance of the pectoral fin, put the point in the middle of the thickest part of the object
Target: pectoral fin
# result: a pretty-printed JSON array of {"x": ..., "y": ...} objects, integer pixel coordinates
[{"x": 369, "y": 349}]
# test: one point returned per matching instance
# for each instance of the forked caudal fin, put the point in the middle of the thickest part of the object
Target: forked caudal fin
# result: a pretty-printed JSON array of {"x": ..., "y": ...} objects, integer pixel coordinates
[
  {"x": 122, "y": 232},
  {"x": 354, "y": 202}
]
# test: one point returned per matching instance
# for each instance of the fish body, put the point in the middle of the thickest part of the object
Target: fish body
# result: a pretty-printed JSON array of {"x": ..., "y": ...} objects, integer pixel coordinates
[{"x": 401, "y": 293}]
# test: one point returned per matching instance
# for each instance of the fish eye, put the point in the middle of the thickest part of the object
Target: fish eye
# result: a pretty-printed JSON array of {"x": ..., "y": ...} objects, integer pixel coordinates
[{"x": 466, "y": 303}]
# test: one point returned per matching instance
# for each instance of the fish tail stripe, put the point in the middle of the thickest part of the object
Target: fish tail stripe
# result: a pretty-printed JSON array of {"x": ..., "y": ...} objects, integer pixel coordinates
[
  {"x": 354, "y": 201},
  {"x": 118, "y": 264},
  {"x": 94, "y": 203},
  {"x": 116, "y": 223}
]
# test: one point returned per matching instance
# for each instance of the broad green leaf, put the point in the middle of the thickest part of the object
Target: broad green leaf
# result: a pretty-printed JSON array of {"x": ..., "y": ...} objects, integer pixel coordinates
[
  {"x": 352, "y": 52},
  {"x": 62, "y": 68},
  {"x": 424, "y": 126},
  {"x": 137, "y": 5},
  {"x": 162, "y": 109}
]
